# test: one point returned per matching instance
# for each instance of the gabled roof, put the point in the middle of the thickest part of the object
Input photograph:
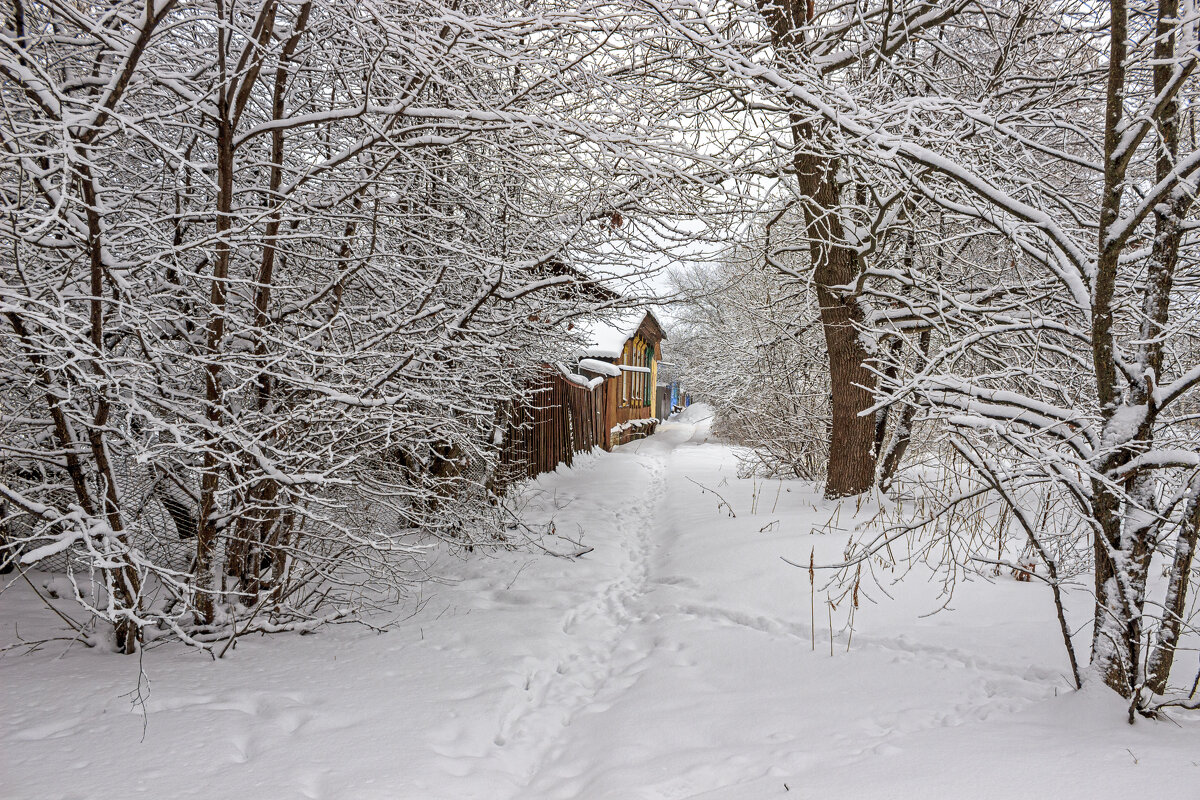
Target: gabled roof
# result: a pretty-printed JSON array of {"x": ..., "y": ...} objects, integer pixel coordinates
[
  {"x": 579, "y": 282},
  {"x": 606, "y": 337}
]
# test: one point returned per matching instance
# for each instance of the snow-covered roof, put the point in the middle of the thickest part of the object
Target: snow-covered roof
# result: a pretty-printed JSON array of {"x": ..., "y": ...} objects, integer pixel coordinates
[{"x": 606, "y": 337}]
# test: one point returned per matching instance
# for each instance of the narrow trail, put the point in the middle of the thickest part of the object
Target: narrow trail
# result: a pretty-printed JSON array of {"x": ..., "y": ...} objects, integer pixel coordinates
[
  {"x": 628, "y": 607},
  {"x": 599, "y": 629},
  {"x": 601, "y": 616}
]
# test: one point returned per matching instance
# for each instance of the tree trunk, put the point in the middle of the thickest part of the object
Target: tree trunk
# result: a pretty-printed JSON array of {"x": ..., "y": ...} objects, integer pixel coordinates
[
  {"x": 891, "y": 454},
  {"x": 206, "y": 539},
  {"x": 1175, "y": 605},
  {"x": 852, "y": 453},
  {"x": 123, "y": 581},
  {"x": 1126, "y": 516},
  {"x": 851, "y": 384},
  {"x": 1156, "y": 307},
  {"x": 851, "y": 445}
]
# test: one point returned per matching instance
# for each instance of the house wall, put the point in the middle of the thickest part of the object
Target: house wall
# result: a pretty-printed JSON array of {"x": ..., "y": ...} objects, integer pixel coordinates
[
  {"x": 631, "y": 388},
  {"x": 626, "y": 413},
  {"x": 621, "y": 403}
]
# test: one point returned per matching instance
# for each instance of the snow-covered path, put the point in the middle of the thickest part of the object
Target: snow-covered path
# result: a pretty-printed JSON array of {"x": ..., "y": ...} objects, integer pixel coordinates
[
  {"x": 675, "y": 660},
  {"x": 601, "y": 639}
]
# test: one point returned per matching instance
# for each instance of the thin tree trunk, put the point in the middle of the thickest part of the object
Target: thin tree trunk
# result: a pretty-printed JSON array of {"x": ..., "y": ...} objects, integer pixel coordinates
[
  {"x": 1112, "y": 656},
  {"x": 125, "y": 583},
  {"x": 206, "y": 539},
  {"x": 1175, "y": 603},
  {"x": 1156, "y": 306},
  {"x": 244, "y": 556},
  {"x": 892, "y": 456},
  {"x": 1125, "y": 517}
]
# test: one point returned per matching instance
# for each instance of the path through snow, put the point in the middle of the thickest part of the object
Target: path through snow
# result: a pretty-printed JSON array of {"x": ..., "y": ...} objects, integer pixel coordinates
[{"x": 673, "y": 661}]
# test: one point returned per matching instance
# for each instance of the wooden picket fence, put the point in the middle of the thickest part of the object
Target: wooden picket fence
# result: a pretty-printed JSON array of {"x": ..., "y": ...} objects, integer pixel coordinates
[{"x": 558, "y": 420}]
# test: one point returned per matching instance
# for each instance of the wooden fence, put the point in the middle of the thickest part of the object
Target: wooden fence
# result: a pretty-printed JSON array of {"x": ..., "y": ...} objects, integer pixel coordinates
[
  {"x": 560, "y": 419},
  {"x": 662, "y": 402}
]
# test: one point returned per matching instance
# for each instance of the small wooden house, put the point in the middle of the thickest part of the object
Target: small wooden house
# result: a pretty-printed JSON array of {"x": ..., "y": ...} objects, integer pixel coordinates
[
  {"x": 626, "y": 350},
  {"x": 608, "y": 398}
]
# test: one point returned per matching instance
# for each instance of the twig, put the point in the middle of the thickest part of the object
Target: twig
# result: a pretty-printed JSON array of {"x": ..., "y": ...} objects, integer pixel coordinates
[
  {"x": 812, "y": 594},
  {"x": 829, "y": 607},
  {"x": 723, "y": 502},
  {"x": 75, "y": 626}
]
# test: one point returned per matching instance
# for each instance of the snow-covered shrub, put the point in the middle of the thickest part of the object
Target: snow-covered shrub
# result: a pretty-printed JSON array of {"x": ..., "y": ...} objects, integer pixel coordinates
[{"x": 747, "y": 339}]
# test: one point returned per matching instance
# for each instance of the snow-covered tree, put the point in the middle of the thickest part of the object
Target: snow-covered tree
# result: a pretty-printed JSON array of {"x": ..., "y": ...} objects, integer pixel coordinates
[
  {"x": 269, "y": 269},
  {"x": 1057, "y": 134}
]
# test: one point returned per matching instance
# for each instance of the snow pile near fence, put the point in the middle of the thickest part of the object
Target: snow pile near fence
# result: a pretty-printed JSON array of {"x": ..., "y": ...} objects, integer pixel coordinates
[
  {"x": 695, "y": 413},
  {"x": 634, "y": 424}
]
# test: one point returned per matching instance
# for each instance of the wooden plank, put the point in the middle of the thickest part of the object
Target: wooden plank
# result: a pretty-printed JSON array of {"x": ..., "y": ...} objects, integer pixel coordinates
[{"x": 554, "y": 421}]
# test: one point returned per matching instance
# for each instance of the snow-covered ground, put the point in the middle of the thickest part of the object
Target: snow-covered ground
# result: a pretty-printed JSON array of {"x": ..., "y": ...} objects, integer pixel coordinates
[{"x": 675, "y": 660}]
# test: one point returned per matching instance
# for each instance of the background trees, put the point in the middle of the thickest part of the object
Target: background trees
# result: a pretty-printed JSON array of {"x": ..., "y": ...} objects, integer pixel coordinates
[{"x": 747, "y": 339}]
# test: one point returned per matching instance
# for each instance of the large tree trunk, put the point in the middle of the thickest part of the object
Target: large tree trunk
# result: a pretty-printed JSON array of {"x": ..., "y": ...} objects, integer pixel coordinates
[
  {"x": 852, "y": 441},
  {"x": 851, "y": 384},
  {"x": 852, "y": 451}
]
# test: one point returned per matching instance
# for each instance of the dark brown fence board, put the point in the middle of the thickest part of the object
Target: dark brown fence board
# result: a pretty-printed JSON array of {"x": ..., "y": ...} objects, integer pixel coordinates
[{"x": 557, "y": 420}]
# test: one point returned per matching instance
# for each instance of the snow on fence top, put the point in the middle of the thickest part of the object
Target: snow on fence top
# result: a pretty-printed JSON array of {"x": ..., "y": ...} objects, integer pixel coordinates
[
  {"x": 579, "y": 380},
  {"x": 600, "y": 367}
]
